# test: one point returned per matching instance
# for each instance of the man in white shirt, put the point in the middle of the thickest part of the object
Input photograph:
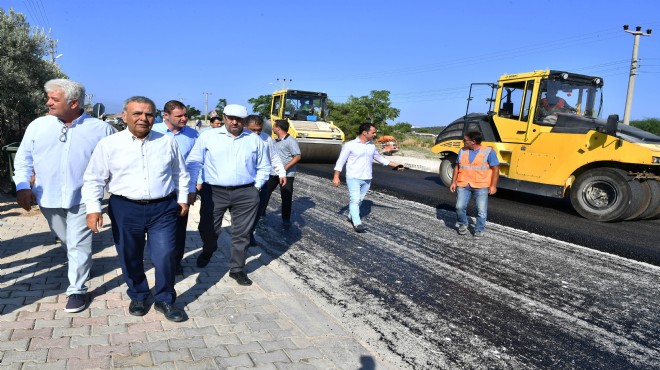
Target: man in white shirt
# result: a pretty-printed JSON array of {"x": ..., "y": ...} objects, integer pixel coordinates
[
  {"x": 57, "y": 147},
  {"x": 358, "y": 156},
  {"x": 146, "y": 175}
]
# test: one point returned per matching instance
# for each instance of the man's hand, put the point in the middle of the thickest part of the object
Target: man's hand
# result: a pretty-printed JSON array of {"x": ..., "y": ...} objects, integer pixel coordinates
[
  {"x": 25, "y": 198},
  {"x": 335, "y": 181},
  {"x": 282, "y": 181},
  {"x": 192, "y": 197},
  {"x": 492, "y": 190},
  {"x": 452, "y": 187},
  {"x": 183, "y": 209},
  {"x": 94, "y": 221}
]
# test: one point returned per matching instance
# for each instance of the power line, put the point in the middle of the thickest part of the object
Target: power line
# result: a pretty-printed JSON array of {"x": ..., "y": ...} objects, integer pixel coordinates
[{"x": 44, "y": 13}]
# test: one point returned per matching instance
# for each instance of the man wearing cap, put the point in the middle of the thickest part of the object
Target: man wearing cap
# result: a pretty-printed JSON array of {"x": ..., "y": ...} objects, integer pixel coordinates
[{"x": 235, "y": 165}]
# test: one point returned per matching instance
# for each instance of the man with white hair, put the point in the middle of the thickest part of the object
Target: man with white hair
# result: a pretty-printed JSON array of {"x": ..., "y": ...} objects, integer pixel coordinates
[
  {"x": 235, "y": 165},
  {"x": 57, "y": 147}
]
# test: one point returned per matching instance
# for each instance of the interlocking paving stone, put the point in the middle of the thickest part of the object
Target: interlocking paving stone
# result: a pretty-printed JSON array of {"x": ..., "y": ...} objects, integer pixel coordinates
[
  {"x": 269, "y": 357},
  {"x": 268, "y": 325}
]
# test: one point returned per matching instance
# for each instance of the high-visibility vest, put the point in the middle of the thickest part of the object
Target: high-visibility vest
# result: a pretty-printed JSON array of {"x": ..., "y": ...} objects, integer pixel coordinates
[
  {"x": 478, "y": 173},
  {"x": 560, "y": 103}
]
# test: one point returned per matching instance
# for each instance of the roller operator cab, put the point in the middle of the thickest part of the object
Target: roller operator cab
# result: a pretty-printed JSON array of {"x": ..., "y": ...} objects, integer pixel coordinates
[
  {"x": 320, "y": 140},
  {"x": 546, "y": 129}
]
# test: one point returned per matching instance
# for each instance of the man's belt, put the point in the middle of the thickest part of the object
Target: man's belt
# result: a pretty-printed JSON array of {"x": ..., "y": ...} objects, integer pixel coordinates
[
  {"x": 172, "y": 195},
  {"x": 233, "y": 187}
]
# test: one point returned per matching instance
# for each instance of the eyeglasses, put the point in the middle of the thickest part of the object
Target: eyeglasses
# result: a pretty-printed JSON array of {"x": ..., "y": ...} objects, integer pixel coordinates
[{"x": 65, "y": 128}]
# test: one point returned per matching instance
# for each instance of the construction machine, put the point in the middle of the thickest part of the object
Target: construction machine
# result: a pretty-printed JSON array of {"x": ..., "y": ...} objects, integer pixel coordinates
[
  {"x": 546, "y": 130},
  {"x": 307, "y": 113},
  {"x": 388, "y": 144}
]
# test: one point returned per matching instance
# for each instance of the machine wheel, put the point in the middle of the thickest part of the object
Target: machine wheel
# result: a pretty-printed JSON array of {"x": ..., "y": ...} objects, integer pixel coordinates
[
  {"x": 645, "y": 196},
  {"x": 447, "y": 170},
  {"x": 605, "y": 194},
  {"x": 653, "y": 209}
]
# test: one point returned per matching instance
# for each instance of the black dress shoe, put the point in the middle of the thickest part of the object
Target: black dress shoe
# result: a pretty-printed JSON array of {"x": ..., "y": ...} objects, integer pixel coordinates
[
  {"x": 203, "y": 259},
  {"x": 241, "y": 278},
  {"x": 253, "y": 241},
  {"x": 360, "y": 229},
  {"x": 171, "y": 312},
  {"x": 138, "y": 308}
]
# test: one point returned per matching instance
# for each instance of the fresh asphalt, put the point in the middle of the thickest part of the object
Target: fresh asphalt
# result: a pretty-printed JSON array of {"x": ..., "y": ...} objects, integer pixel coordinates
[
  {"x": 424, "y": 297},
  {"x": 555, "y": 218}
]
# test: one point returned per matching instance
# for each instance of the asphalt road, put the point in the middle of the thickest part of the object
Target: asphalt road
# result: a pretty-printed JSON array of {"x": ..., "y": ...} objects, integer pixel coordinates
[
  {"x": 423, "y": 297},
  {"x": 639, "y": 240}
]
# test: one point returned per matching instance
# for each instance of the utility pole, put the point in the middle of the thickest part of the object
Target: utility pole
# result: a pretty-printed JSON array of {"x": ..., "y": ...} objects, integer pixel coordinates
[
  {"x": 206, "y": 109},
  {"x": 633, "y": 70},
  {"x": 284, "y": 81},
  {"x": 89, "y": 99},
  {"x": 51, "y": 49}
]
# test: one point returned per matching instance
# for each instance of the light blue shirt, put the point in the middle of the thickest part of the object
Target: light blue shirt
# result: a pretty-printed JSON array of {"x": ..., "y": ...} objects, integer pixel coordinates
[
  {"x": 136, "y": 169},
  {"x": 185, "y": 137},
  {"x": 58, "y": 166},
  {"x": 228, "y": 160},
  {"x": 358, "y": 158}
]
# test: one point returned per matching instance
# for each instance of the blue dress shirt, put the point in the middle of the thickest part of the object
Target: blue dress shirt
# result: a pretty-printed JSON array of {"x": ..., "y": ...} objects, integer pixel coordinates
[
  {"x": 185, "y": 137},
  {"x": 228, "y": 160},
  {"x": 57, "y": 158}
]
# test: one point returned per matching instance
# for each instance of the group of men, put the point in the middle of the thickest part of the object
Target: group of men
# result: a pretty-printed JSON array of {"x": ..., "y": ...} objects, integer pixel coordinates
[{"x": 153, "y": 173}]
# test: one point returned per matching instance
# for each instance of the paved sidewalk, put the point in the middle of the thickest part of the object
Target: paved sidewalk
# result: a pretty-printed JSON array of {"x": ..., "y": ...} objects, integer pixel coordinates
[{"x": 268, "y": 325}]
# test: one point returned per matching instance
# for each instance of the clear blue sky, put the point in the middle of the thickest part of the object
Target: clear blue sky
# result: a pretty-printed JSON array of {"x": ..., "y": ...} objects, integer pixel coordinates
[{"x": 426, "y": 53}]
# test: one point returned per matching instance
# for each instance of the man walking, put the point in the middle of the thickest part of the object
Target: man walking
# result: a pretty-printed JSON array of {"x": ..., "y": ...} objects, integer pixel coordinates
[
  {"x": 175, "y": 124},
  {"x": 286, "y": 149},
  {"x": 146, "y": 175},
  {"x": 57, "y": 148},
  {"x": 236, "y": 165},
  {"x": 358, "y": 156},
  {"x": 476, "y": 173}
]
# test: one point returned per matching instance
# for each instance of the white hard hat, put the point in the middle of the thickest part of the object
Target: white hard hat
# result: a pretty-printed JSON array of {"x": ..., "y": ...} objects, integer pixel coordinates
[{"x": 235, "y": 110}]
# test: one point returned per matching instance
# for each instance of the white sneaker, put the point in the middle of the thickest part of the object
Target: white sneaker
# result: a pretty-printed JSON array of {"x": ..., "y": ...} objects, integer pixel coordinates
[{"x": 462, "y": 229}]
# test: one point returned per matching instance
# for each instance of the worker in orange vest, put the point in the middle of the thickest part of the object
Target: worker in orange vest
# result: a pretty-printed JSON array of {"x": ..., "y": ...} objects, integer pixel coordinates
[{"x": 476, "y": 173}]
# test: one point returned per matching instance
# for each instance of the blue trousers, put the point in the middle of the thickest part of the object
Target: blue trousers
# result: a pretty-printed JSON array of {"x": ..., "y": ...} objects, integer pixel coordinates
[
  {"x": 481, "y": 201},
  {"x": 357, "y": 190},
  {"x": 130, "y": 223}
]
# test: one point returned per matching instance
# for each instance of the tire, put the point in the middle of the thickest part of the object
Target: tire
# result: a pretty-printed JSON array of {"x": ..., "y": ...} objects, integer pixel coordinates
[
  {"x": 447, "y": 170},
  {"x": 645, "y": 200},
  {"x": 653, "y": 209},
  {"x": 605, "y": 194}
]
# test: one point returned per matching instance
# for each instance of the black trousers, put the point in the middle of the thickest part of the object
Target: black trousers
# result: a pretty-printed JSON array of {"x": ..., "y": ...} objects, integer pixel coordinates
[
  {"x": 181, "y": 224},
  {"x": 286, "y": 192},
  {"x": 242, "y": 204}
]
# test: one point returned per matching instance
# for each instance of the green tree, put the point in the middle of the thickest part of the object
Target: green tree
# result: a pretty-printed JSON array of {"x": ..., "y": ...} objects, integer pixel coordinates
[
  {"x": 375, "y": 108},
  {"x": 193, "y": 112},
  {"x": 261, "y": 105},
  {"x": 651, "y": 125},
  {"x": 403, "y": 127},
  {"x": 23, "y": 73},
  {"x": 222, "y": 103}
]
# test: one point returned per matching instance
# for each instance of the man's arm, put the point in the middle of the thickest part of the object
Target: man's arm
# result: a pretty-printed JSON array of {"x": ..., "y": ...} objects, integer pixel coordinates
[{"x": 23, "y": 170}]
